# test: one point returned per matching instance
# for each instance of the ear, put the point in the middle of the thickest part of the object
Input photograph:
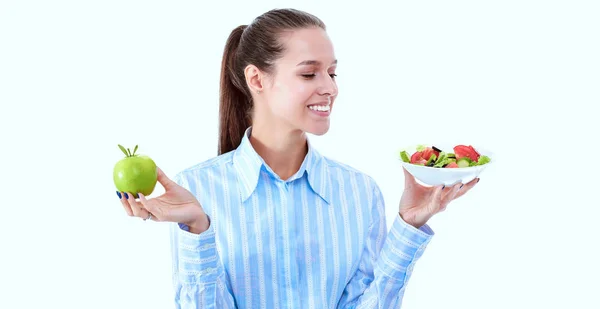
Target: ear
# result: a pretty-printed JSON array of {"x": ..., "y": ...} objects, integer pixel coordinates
[{"x": 254, "y": 78}]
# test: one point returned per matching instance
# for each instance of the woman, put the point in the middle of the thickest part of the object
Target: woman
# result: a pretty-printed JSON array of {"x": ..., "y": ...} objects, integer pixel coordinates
[{"x": 270, "y": 222}]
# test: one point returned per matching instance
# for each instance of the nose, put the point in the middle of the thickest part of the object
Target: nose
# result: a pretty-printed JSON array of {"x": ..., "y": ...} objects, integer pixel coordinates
[{"x": 328, "y": 87}]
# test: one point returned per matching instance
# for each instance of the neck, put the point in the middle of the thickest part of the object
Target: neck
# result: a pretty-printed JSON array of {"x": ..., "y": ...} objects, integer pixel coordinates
[{"x": 283, "y": 151}]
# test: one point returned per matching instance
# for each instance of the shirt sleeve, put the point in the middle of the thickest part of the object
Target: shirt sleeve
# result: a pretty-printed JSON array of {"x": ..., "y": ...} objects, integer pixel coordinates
[
  {"x": 199, "y": 279},
  {"x": 387, "y": 262}
]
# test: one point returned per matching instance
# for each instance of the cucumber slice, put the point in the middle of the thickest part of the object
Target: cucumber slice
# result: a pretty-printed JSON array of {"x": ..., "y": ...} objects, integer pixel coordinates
[
  {"x": 404, "y": 156},
  {"x": 431, "y": 160},
  {"x": 463, "y": 162}
]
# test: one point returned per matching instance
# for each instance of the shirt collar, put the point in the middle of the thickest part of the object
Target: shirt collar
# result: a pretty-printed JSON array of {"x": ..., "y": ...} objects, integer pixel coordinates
[{"x": 249, "y": 165}]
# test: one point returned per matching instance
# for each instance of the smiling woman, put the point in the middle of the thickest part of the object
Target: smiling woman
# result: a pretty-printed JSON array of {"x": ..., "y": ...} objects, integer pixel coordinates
[
  {"x": 278, "y": 73},
  {"x": 270, "y": 222}
]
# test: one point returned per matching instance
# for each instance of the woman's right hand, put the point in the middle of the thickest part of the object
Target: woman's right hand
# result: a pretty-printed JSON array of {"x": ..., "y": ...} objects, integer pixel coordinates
[{"x": 177, "y": 204}]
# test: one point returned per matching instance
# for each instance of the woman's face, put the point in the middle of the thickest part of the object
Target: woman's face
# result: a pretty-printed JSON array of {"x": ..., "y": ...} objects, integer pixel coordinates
[{"x": 299, "y": 95}]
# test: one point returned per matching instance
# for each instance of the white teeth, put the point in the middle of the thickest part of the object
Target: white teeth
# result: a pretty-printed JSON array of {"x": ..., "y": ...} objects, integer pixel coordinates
[{"x": 320, "y": 108}]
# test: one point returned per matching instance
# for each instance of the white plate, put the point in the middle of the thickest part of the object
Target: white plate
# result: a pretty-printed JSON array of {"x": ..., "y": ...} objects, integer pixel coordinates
[{"x": 433, "y": 176}]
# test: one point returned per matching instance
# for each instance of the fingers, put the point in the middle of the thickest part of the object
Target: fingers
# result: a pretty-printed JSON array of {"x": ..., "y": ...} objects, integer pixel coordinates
[
  {"x": 468, "y": 186},
  {"x": 151, "y": 208},
  {"x": 455, "y": 191},
  {"x": 136, "y": 207},
  {"x": 129, "y": 199},
  {"x": 450, "y": 191},
  {"x": 436, "y": 199},
  {"x": 125, "y": 204}
]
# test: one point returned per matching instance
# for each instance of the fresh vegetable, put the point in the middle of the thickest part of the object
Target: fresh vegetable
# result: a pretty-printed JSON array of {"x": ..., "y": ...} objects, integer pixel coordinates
[
  {"x": 463, "y": 156},
  {"x": 466, "y": 151},
  {"x": 135, "y": 173},
  {"x": 404, "y": 156},
  {"x": 464, "y": 162}
]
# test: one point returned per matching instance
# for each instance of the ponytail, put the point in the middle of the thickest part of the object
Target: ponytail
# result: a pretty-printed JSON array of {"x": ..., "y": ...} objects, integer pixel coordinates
[{"x": 234, "y": 100}]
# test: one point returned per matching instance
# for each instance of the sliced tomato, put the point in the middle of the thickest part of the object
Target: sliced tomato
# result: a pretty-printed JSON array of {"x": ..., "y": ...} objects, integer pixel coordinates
[
  {"x": 428, "y": 152},
  {"x": 474, "y": 151},
  {"x": 417, "y": 156},
  {"x": 452, "y": 165},
  {"x": 466, "y": 151}
]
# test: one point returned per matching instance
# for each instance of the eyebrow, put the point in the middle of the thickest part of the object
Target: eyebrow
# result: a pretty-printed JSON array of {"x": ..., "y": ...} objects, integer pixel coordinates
[{"x": 314, "y": 62}]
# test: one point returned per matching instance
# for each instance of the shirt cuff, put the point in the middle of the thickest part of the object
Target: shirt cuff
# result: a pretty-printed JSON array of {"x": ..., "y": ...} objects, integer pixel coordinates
[
  {"x": 403, "y": 247},
  {"x": 198, "y": 258}
]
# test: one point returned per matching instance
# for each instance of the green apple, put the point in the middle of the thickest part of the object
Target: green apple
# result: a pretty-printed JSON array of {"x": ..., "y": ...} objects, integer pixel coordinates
[{"x": 135, "y": 173}]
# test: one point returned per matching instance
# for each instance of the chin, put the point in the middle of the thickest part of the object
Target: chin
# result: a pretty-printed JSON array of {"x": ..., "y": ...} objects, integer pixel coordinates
[{"x": 318, "y": 130}]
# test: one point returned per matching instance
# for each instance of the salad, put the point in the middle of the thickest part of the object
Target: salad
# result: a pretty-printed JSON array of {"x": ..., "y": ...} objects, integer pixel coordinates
[{"x": 463, "y": 156}]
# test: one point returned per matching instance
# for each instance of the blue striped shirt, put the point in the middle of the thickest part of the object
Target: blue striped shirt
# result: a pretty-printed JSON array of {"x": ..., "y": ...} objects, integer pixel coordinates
[{"x": 316, "y": 240}]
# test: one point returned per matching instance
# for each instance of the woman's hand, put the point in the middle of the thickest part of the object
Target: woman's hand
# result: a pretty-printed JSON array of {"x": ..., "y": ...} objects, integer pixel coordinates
[
  {"x": 419, "y": 203},
  {"x": 176, "y": 205}
]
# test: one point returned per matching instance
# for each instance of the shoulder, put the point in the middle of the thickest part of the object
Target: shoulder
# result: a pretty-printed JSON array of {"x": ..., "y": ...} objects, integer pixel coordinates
[
  {"x": 346, "y": 172},
  {"x": 193, "y": 173}
]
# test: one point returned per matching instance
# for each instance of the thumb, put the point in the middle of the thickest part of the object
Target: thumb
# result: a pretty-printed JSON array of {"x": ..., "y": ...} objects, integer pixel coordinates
[
  {"x": 409, "y": 179},
  {"x": 165, "y": 181}
]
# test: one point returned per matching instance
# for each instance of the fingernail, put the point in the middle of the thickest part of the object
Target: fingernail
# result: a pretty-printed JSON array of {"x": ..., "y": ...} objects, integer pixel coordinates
[
  {"x": 137, "y": 195},
  {"x": 126, "y": 195},
  {"x": 461, "y": 186},
  {"x": 119, "y": 194},
  {"x": 443, "y": 187},
  {"x": 478, "y": 179}
]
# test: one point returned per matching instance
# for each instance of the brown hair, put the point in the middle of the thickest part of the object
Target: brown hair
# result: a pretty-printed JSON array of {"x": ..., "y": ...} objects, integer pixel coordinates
[{"x": 258, "y": 44}]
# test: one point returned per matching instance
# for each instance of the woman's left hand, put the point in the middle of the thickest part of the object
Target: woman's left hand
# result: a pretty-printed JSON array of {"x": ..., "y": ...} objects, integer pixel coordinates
[{"x": 419, "y": 203}]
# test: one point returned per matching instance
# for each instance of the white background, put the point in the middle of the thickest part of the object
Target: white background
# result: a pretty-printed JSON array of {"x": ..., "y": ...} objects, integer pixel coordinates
[{"x": 517, "y": 77}]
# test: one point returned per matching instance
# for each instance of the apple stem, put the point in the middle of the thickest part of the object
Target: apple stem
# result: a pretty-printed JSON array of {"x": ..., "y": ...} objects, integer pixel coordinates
[
  {"x": 123, "y": 150},
  {"x": 128, "y": 152}
]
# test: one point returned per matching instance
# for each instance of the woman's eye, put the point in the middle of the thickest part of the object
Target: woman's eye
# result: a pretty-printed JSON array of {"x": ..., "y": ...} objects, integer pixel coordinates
[{"x": 309, "y": 76}]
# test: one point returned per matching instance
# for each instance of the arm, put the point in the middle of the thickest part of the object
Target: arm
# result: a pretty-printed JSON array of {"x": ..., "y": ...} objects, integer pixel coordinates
[
  {"x": 387, "y": 261},
  {"x": 199, "y": 278}
]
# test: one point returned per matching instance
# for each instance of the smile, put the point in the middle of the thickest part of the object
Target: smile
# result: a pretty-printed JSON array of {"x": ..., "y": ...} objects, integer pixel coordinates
[{"x": 320, "y": 108}]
